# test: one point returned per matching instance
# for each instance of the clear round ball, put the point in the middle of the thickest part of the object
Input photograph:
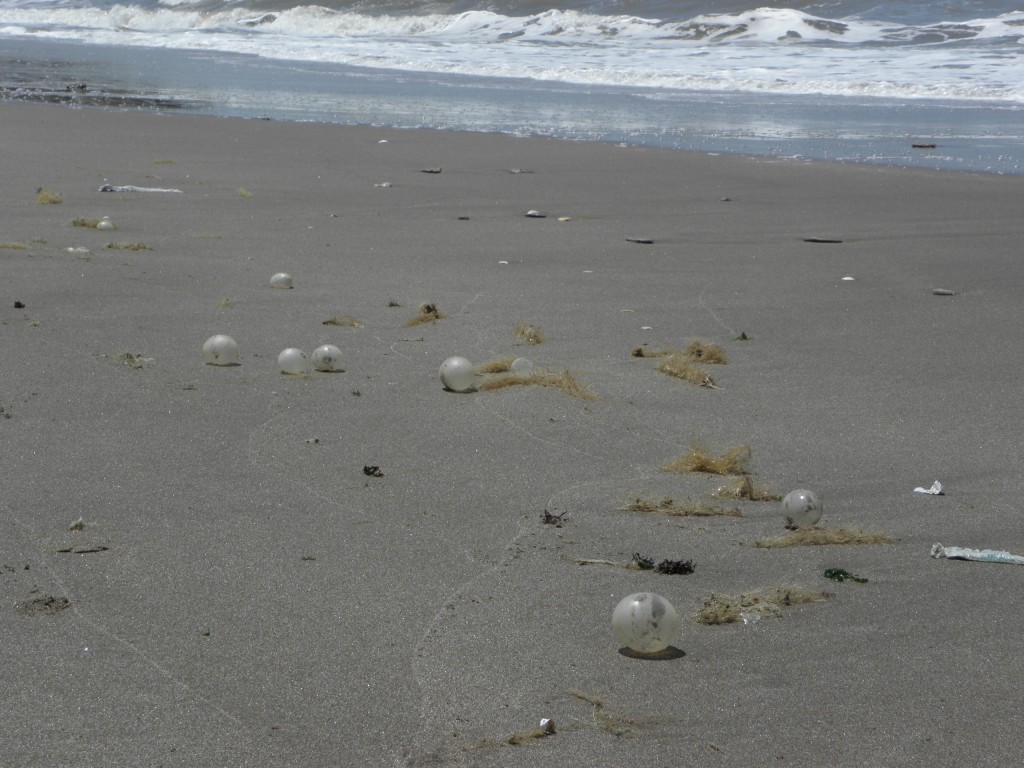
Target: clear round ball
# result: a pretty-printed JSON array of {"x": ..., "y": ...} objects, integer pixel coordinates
[
  {"x": 457, "y": 374},
  {"x": 327, "y": 357},
  {"x": 105, "y": 223},
  {"x": 522, "y": 366},
  {"x": 645, "y": 622},
  {"x": 281, "y": 280},
  {"x": 220, "y": 350},
  {"x": 292, "y": 360},
  {"x": 801, "y": 508}
]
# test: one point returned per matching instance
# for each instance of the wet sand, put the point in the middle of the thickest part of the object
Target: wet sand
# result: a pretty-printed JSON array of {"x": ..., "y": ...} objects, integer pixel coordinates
[{"x": 242, "y": 593}]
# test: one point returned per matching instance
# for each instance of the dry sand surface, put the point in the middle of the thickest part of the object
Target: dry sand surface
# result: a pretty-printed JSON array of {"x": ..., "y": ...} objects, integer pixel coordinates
[{"x": 240, "y": 592}]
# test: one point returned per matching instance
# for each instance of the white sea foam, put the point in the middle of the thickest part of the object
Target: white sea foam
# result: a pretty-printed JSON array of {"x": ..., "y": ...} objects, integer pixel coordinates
[{"x": 762, "y": 50}]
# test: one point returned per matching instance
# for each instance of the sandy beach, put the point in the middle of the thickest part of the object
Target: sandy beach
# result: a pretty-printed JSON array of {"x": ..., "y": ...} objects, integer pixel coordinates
[{"x": 240, "y": 592}]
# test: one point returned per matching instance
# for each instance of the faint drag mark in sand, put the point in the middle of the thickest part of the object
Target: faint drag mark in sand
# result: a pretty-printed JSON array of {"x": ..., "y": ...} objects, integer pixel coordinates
[
  {"x": 700, "y": 300},
  {"x": 66, "y": 602},
  {"x": 417, "y": 749},
  {"x": 264, "y": 434}
]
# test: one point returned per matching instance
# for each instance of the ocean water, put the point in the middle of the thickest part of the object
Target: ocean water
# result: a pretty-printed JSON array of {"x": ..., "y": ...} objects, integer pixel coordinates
[{"x": 907, "y": 82}]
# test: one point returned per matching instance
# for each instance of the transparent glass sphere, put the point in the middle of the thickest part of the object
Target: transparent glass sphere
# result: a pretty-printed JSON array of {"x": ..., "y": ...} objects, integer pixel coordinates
[
  {"x": 457, "y": 374},
  {"x": 281, "y": 280},
  {"x": 327, "y": 357},
  {"x": 292, "y": 360},
  {"x": 220, "y": 350},
  {"x": 801, "y": 508},
  {"x": 522, "y": 366},
  {"x": 645, "y": 622}
]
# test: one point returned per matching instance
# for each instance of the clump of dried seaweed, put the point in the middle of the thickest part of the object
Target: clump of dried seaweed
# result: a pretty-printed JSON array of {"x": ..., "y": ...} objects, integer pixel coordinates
[
  {"x": 757, "y": 604},
  {"x": 46, "y": 196},
  {"x": 539, "y": 378},
  {"x": 132, "y": 360},
  {"x": 531, "y": 334},
  {"x": 732, "y": 462},
  {"x": 128, "y": 247},
  {"x": 667, "y": 567},
  {"x": 680, "y": 366},
  {"x": 640, "y": 563},
  {"x": 501, "y": 365},
  {"x": 744, "y": 487},
  {"x": 428, "y": 313},
  {"x": 675, "y": 567},
  {"x": 819, "y": 536},
  {"x": 672, "y": 508},
  {"x": 641, "y": 351},
  {"x": 702, "y": 351},
  {"x": 547, "y": 518},
  {"x": 344, "y": 321},
  {"x": 87, "y": 223}
]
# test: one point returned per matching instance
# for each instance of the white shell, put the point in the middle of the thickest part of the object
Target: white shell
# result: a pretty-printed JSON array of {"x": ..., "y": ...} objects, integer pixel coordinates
[
  {"x": 281, "y": 280},
  {"x": 457, "y": 374},
  {"x": 522, "y": 366},
  {"x": 801, "y": 508},
  {"x": 220, "y": 350},
  {"x": 327, "y": 357},
  {"x": 292, "y": 360},
  {"x": 645, "y": 622}
]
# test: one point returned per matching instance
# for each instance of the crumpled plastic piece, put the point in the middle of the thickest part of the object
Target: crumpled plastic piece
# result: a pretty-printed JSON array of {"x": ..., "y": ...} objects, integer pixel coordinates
[
  {"x": 935, "y": 490},
  {"x": 131, "y": 188},
  {"x": 980, "y": 555}
]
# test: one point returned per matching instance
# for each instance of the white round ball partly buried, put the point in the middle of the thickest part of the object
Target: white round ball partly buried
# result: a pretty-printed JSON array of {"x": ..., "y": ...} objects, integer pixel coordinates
[
  {"x": 801, "y": 508},
  {"x": 457, "y": 374},
  {"x": 105, "y": 223},
  {"x": 522, "y": 366},
  {"x": 327, "y": 357},
  {"x": 220, "y": 350},
  {"x": 292, "y": 361},
  {"x": 281, "y": 280},
  {"x": 645, "y": 622}
]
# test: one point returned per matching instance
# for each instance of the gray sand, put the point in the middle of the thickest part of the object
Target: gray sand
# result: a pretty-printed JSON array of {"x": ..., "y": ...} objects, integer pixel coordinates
[{"x": 263, "y": 602}]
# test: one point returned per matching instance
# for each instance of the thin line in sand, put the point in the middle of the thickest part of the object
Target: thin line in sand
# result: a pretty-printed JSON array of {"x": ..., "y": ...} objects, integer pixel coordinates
[
  {"x": 135, "y": 650},
  {"x": 700, "y": 300}
]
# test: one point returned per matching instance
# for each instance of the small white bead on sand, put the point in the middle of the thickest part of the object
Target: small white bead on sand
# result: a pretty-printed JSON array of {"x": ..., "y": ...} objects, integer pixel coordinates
[{"x": 281, "y": 280}]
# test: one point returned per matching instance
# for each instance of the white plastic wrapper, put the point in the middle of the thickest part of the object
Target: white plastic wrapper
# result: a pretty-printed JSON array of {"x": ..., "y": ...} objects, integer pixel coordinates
[
  {"x": 132, "y": 188},
  {"x": 935, "y": 490},
  {"x": 981, "y": 555}
]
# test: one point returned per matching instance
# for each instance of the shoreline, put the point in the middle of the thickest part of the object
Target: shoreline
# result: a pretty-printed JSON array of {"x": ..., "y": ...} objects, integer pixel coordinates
[
  {"x": 982, "y": 137},
  {"x": 243, "y": 592}
]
